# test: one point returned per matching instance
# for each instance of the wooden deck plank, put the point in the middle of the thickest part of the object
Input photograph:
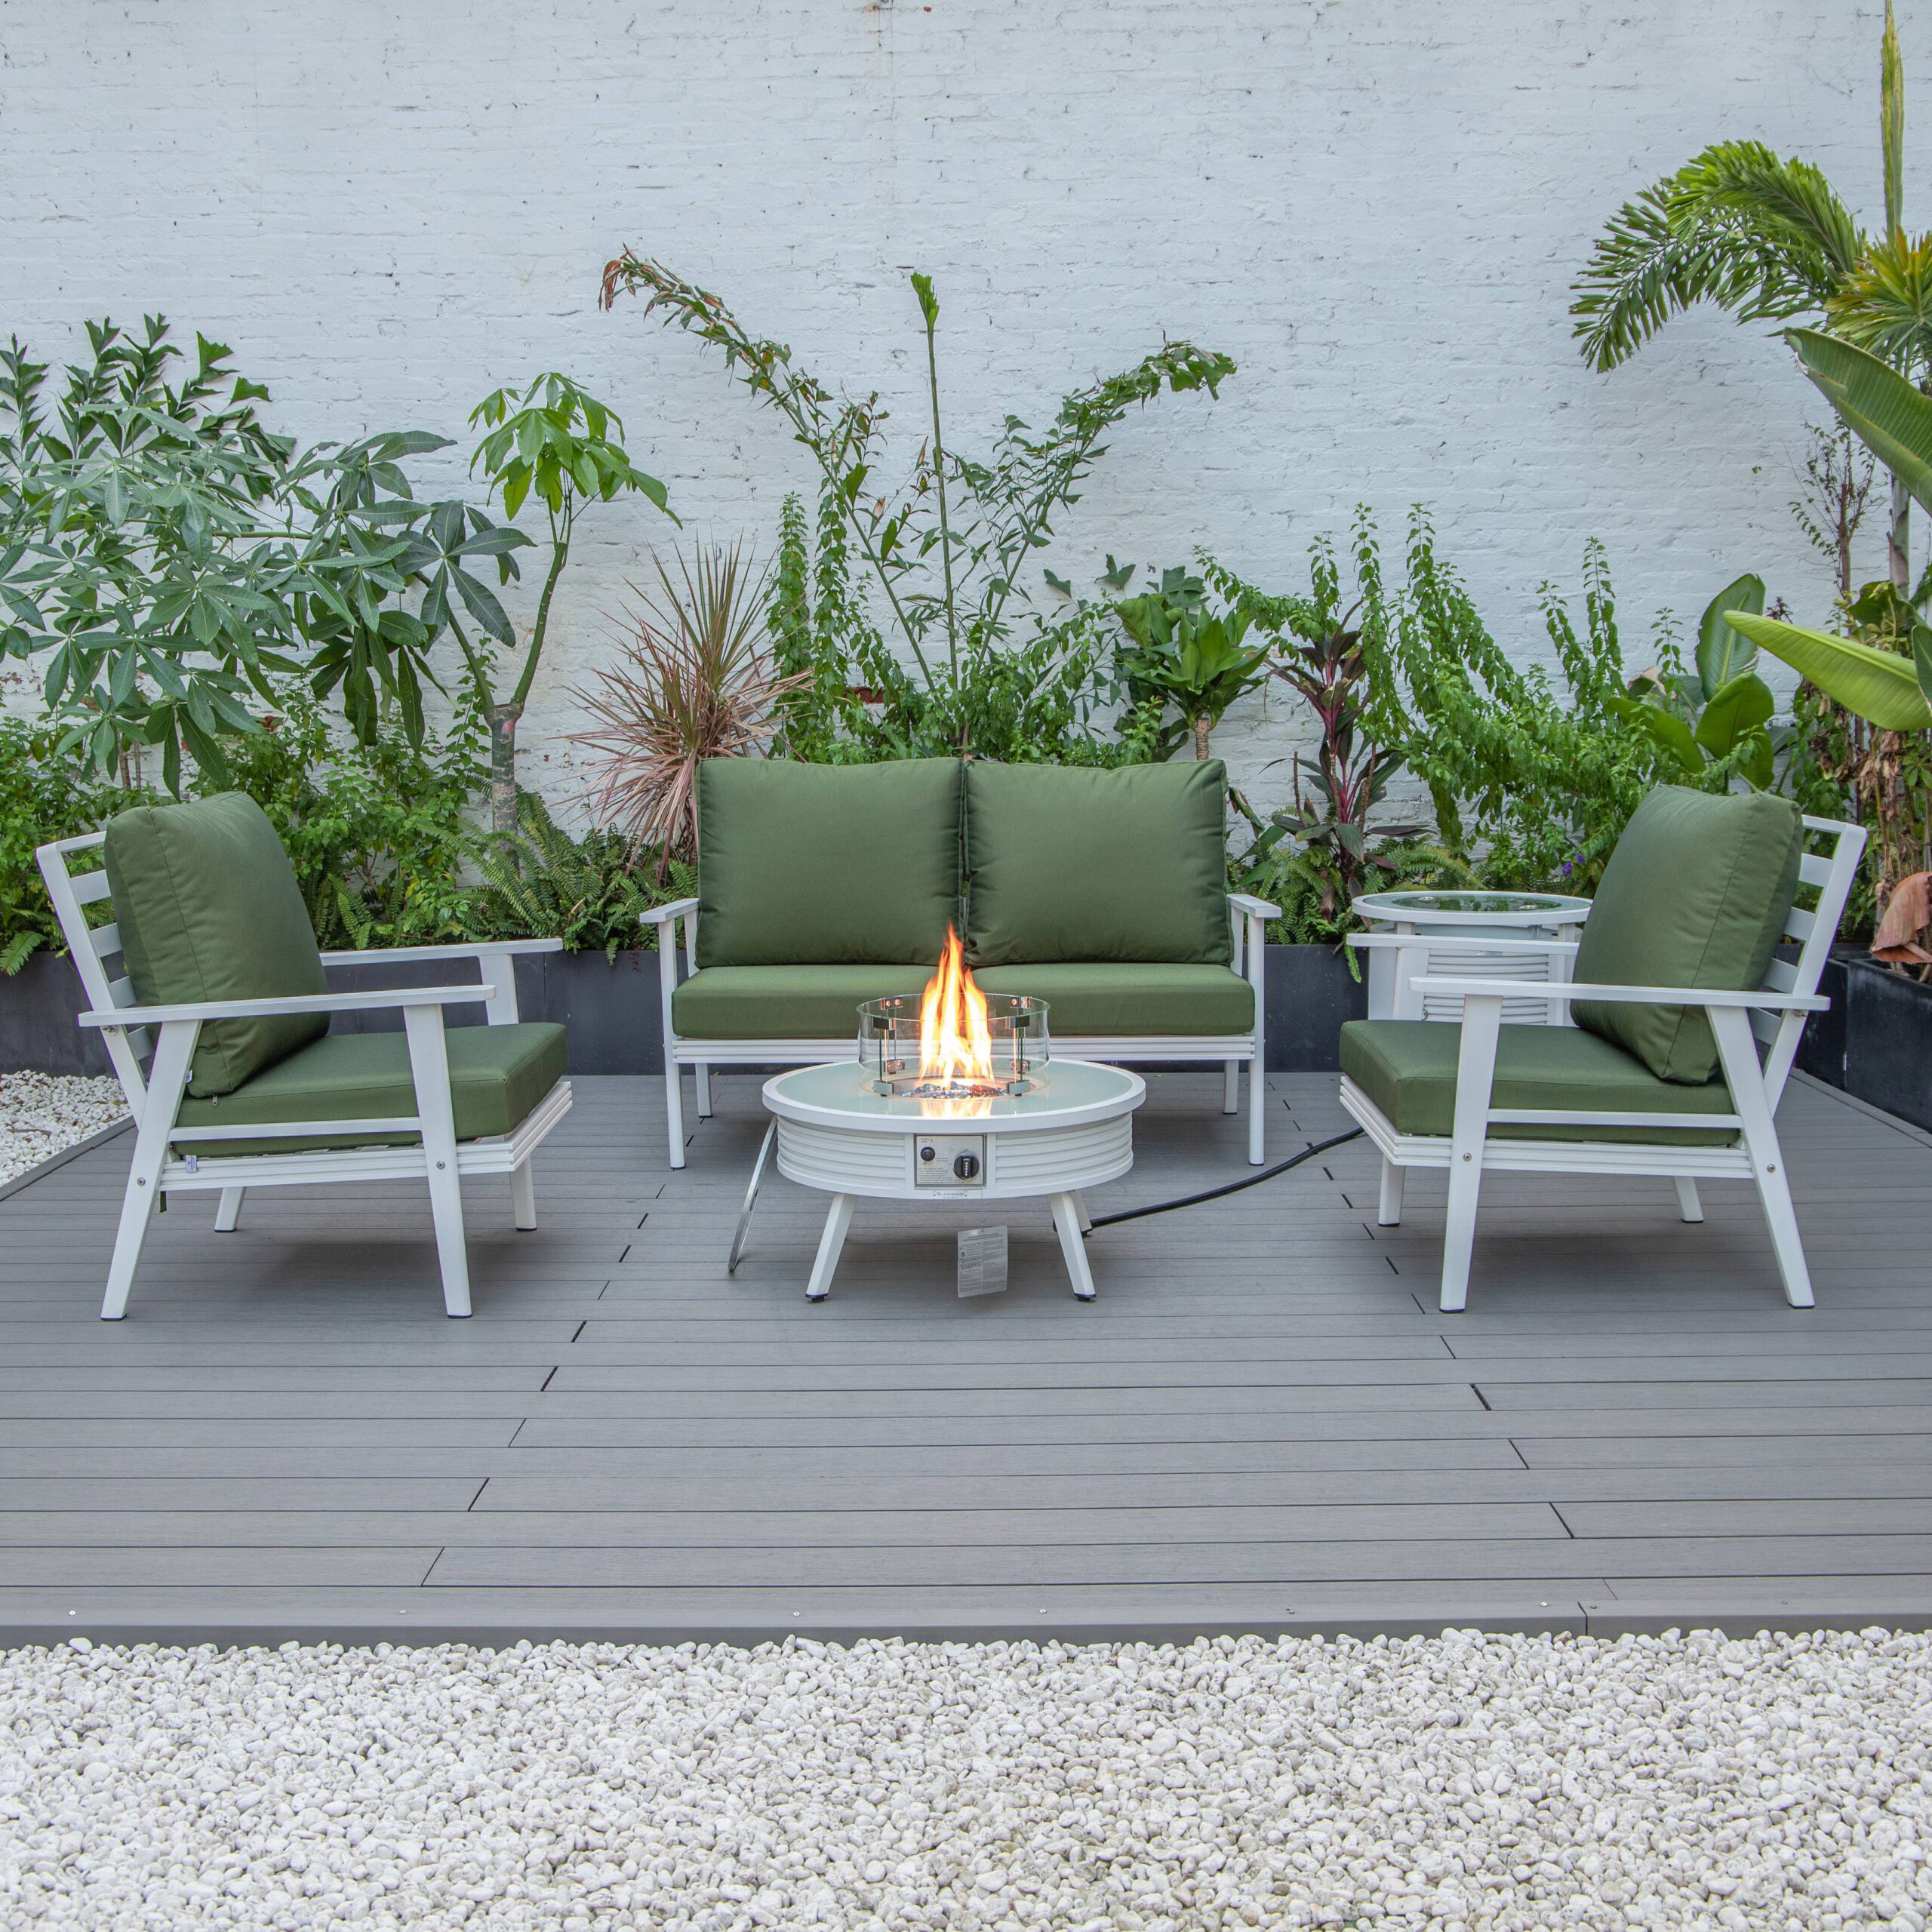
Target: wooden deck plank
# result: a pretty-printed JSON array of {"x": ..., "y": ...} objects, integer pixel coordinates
[{"x": 1262, "y": 1423}]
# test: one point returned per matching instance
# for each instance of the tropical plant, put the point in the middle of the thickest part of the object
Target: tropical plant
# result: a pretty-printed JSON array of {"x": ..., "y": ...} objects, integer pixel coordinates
[
  {"x": 1768, "y": 238},
  {"x": 1715, "y": 719},
  {"x": 552, "y": 441},
  {"x": 1182, "y": 653},
  {"x": 168, "y": 556},
  {"x": 694, "y": 682},
  {"x": 947, "y": 551},
  {"x": 1315, "y": 649},
  {"x": 592, "y": 892}
]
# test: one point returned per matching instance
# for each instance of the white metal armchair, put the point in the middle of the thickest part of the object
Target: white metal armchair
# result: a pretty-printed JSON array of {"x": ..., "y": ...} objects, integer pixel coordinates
[
  {"x": 1485, "y": 1097},
  {"x": 428, "y": 1104}
]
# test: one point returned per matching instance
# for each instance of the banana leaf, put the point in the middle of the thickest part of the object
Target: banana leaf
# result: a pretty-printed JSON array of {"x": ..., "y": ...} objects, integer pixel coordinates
[
  {"x": 1722, "y": 654},
  {"x": 1892, "y": 419},
  {"x": 1878, "y": 685},
  {"x": 1741, "y": 705}
]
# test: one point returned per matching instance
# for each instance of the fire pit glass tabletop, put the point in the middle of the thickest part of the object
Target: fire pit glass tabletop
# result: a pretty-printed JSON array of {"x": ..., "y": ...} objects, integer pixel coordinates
[{"x": 831, "y": 1130}]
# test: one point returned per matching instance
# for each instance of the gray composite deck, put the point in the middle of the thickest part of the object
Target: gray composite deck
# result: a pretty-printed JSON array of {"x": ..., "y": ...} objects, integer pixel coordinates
[{"x": 1262, "y": 1424}]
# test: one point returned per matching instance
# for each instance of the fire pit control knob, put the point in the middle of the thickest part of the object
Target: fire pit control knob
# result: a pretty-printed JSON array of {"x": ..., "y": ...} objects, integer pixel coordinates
[
  {"x": 966, "y": 1166},
  {"x": 926, "y": 1153}
]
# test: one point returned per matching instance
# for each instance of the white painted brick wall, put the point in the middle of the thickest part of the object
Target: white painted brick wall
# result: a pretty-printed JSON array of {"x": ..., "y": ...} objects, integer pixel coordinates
[{"x": 1376, "y": 206}]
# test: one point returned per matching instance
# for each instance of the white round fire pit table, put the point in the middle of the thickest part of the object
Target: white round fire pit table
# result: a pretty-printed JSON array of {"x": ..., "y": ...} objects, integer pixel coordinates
[{"x": 834, "y": 1132}]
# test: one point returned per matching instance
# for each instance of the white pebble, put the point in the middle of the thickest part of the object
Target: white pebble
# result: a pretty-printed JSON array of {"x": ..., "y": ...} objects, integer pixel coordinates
[{"x": 43, "y": 1114}]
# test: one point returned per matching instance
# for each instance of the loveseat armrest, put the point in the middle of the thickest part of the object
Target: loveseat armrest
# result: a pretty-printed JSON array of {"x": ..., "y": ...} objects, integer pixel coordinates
[
  {"x": 677, "y": 908},
  {"x": 1254, "y": 909}
]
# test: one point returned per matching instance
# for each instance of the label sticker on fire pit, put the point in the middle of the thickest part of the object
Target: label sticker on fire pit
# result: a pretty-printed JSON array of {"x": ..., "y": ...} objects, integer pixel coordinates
[{"x": 982, "y": 1261}]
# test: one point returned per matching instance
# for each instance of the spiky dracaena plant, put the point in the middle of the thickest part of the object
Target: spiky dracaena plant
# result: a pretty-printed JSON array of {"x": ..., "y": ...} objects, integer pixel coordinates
[
  {"x": 694, "y": 682},
  {"x": 1769, "y": 238}
]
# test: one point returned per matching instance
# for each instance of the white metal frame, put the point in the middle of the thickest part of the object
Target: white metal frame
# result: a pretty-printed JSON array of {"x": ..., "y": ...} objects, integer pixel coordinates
[
  {"x": 1772, "y": 1015},
  {"x": 1247, "y": 920},
  {"x": 164, "y": 1160}
]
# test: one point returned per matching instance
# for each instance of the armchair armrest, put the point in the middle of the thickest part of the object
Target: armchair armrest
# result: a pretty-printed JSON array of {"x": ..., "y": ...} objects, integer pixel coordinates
[
  {"x": 1255, "y": 909},
  {"x": 416, "y": 955},
  {"x": 251, "y": 1009},
  {"x": 663, "y": 915},
  {"x": 1703, "y": 996}
]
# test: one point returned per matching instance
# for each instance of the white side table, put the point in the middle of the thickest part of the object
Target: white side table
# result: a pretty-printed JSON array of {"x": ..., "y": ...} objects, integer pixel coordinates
[
  {"x": 834, "y": 1133},
  {"x": 1466, "y": 917}
]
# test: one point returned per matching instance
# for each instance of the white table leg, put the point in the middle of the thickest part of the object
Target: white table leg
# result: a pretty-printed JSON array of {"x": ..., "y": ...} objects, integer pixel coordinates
[
  {"x": 1080, "y": 1208},
  {"x": 1066, "y": 1219},
  {"x": 829, "y": 1244},
  {"x": 751, "y": 1199}
]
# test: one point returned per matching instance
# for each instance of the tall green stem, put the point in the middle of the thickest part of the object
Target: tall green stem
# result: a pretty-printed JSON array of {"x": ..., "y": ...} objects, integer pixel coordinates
[
  {"x": 939, "y": 470},
  {"x": 503, "y": 716}
]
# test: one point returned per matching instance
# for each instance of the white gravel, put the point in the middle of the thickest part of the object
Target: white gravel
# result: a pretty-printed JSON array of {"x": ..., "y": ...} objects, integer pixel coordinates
[
  {"x": 1461, "y": 1781},
  {"x": 42, "y": 1113}
]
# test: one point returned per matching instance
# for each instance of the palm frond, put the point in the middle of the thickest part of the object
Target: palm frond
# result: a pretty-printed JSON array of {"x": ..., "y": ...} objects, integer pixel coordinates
[
  {"x": 1765, "y": 238},
  {"x": 1885, "y": 304}
]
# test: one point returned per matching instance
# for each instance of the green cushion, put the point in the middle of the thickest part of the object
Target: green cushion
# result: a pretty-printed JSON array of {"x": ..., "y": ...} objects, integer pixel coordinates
[
  {"x": 804, "y": 865},
  {"x": 1064, "y": 862},
  {"x": 1407, "y": 1068},
  {"x": 209, "y": 909},
  {"x": 1109, "y": 999},
  {"x": 1696, "y": 894},
  {"x": 497, "y": 1074},
  {"x": 784, "y": 1002}
]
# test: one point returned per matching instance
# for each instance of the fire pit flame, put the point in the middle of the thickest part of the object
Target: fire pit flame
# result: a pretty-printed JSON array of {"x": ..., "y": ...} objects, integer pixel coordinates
[{"x": 955, "y": 1042}]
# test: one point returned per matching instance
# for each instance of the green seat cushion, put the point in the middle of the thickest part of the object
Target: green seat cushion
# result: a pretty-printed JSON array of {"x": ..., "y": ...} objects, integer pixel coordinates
[
  {"x": 209, "y": 909},
  {"x": 784, "y": 1002},
  {"x": 497, "y": 1075},
  {"x": 1407, "y": 1068},
  {"x": 821, "y": 865},
  {"x": 1064, "y": 862},
  {"x": 1105, "y": 998},
  {"x": 1696, "y": 894}
]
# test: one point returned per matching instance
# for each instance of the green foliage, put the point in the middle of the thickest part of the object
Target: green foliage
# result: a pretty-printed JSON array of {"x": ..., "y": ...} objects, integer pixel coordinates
[
  {"x": 590, "y": 892},
  {"x": 168, "y": 556},
  {"x": 1038, "y": 700},
  {"x": 1182, "y": 653},
  {"x": 42, "y": 798},
  {"x": 554, "y": 441},
  {"x": 1716, "y": 722},
  {"x": 377, "y": 834},
  {"x": 947, "y": 550}
]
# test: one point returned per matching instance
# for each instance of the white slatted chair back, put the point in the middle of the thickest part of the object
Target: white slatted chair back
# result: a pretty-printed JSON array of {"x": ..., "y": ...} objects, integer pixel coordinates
[
  {"x": 95, "y": 950},
  {"x": 1831, "y": 872}
]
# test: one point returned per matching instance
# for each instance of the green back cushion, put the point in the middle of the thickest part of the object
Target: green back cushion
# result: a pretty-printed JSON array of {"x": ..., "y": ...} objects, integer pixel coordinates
[
  {"x": 826, "y": 865},
  {"x": 209, "y": 909},
  {"x": 1064, "y": 862},
  {"x": 1696, "y": 894}
]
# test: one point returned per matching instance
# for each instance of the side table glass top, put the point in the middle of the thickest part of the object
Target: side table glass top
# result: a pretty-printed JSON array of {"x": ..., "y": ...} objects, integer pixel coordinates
[{"x": 1433, "y": 908}]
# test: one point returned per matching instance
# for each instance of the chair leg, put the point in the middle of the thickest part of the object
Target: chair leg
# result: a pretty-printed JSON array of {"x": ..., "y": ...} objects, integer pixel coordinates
[
  {"x": 674, "y": 1106},
  {"x": 1738, "y": 1054},
  {"x": 1389, "y": 1207},
  {"x": 1459, "y": 1235},
  {"x": 1257, "y": 1114},
  {"x": 228, "y": 1213},
  {"x": 701, "y": 1079},
  {"x": 1689, "y": 1208},
  {"x": 167, "y": 1074},
  {"x": 523, "y": 1196},
  {"x": 1231, "y": 1086},
  {"x": 430, "y": 1069}
]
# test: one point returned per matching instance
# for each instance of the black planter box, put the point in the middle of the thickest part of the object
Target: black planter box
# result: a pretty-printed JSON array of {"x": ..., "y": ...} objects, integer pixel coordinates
[
  {"x": 611, "y": 1007},
  {"x": 1885, "y": 1048}
]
